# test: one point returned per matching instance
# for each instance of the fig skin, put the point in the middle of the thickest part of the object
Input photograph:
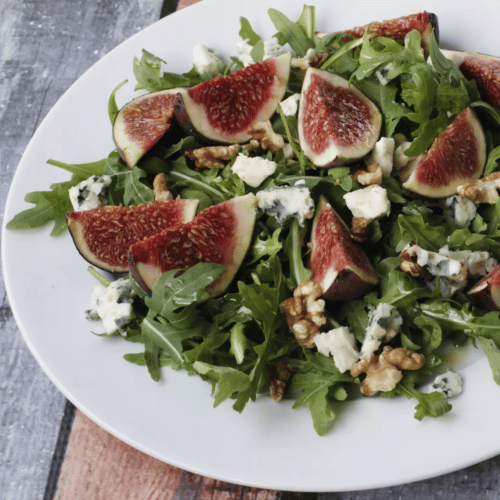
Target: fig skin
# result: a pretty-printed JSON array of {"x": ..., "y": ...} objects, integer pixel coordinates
[
  {"x": 235, "y": 115},
  {"x": 142, "y": 122},
  {"x": 220, "y": 234},
  {"x": 457, "y": 155},
  {"x": 482, "y": 68},
  {"x": 425, "y": 22},
  {"x": 338, "y": 263},
  {"x": 343, "y": 125},
  {"x": 108, "y": 250},
  {"x": 486, "y": 292}
]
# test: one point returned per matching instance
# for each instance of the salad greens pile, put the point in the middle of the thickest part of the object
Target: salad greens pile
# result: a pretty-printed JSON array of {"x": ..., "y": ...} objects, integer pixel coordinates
[{"x": 231, "y": 340}]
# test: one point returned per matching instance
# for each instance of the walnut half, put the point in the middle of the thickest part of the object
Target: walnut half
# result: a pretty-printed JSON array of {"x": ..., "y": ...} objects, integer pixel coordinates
[
  {"x": 383, "y": 372},
  {"x": 305, "y": 312},
  {"x": 278, "y": 377},
  {"x": 483, "y": 190}
]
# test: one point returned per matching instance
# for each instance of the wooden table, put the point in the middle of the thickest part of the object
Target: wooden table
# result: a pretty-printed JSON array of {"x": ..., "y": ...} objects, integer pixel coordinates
[{"x": 50, "y": 450}]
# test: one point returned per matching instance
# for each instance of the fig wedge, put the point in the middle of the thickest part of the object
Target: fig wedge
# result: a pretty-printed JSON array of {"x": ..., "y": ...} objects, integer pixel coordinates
[
  {"x": 103, "y": 235},
  {"x": 337, "y": 123},
  {"x": 223, "y": 109},
  {"x": 141, "y": 123},
  {"x": 338, "y": 263},
  {"x": 486, "y": 292},
  {"x": 220, "y": 234},
  {"x": 484, "y": 69},
  {"x": 457, "y": 155}
]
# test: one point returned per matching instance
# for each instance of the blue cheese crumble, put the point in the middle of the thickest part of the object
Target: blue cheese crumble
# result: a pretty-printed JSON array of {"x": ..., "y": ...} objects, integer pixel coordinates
[
  {"x": 370, "y": 202},
  {"x": 290, "y": 105},
  {"x": 253, "y": 170},
  {"x": 113, "y": 305},
  {"x": 206, "y": 60},
  {"x": 90, "y": 193},
  {"x": 341, "y": 344},
  {"x": 244, "y": 51},
  {"x": 479, "y": 263},
  {"x": 285, "y": 202},
  {"x": 384, "y": 323},
  {"x": 459, "y": 211},
  {"x": 449, "y": 383},
  {"x": 383, "y": 154}
]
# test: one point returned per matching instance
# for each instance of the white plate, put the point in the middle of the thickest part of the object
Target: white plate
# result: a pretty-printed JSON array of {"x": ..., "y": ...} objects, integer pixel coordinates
[{"x": 374, "y": 442}]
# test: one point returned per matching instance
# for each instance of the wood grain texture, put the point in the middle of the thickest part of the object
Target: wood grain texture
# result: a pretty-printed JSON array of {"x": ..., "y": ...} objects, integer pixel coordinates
[{"x": 100, "y": 467}]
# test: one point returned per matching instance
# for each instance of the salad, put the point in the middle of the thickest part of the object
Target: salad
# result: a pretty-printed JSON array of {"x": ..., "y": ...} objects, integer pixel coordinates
[{"x": 426, "y": 253}]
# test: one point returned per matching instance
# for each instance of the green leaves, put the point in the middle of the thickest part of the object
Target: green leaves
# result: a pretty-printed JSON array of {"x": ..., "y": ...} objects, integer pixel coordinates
[
  {"x": 297, "y": 35},
  {"x": 52, "y": 206},
  {"x": 172, "y": 316},
  {"x": 150, "y": 76}
]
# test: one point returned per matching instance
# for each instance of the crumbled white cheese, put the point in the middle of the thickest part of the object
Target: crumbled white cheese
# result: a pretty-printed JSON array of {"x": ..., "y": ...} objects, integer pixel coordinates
[
  {"x": 384, "y": 323},
  {"x": 90, "y": 193},
  {"x": 449, "y": 383},
  {"x": 451, "y": 272},
  {"x": 341, "y": 344},
  {"x": 302, "y": 63},
  {"x": 383, "y": 154},
  {"x": 207, "y": 60},
  {"x": 253, "y": 170},
  {"x": 290, "y": 105},
  {"x": 400, "y": 160},
  {"x": 285, "y": 202},
  {"x": 479, "y": 263},
  {"x": 112, "y": 304},
  {"x": 459, "y": 210},
  {"x": 244, "y": 49},
  {"x": 370, "y": 202}
]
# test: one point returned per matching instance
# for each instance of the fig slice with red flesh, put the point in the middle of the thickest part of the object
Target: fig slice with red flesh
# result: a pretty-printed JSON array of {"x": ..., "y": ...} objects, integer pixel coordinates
[
  {"x": 398, "y": 28},
  {"x": 337, "y": 123},
  {"x": 103, "y": 235},
  {"x": 223, "y": 109},
  {"x": 486, "y": 292},
  {"x": 338, "y": 263},
  {"x": 141, "y": 123},
  {"x": 484, "y": 69},
  {"x": 219, "y": 234},
  {"x": 457, "y": 155}
]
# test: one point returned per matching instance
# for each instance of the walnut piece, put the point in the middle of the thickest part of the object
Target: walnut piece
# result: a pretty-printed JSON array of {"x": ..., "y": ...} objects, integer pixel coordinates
[
  {"x": 483, "y": 190},
  {"x": 305, "y": 312},
  {"x": 383, "y": 372},
  {"x": 359, "y": 229},
  {"x": 160, "y": 188},
  {"x": 265, "y": 135},
  {"x": 216, "y": 156},
  {"x": 409, "y": 257},
  {"x": 278, "y": 377},
  {"x": 369, "y": 174}
]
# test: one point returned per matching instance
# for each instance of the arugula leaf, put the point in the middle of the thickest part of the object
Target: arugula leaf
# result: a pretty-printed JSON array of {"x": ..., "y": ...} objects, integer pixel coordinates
[
  {"x": 126, "y": 186},
  {"x": 493, "y": 354},
  {"x": 112, "y": 106},
  {"x": 316, "y": 385},
  {"x": 229, "y": 380},
  {"x": 291, "y": 33},
  {"x": 179, "y": 289},
  {"x": 149, "y": 75},
  {"x": 432, "y": 404},
  {"x": 52, "y": 206},
  {"x": 466, "y": 320},
  {"x": 247, "y": 33}
]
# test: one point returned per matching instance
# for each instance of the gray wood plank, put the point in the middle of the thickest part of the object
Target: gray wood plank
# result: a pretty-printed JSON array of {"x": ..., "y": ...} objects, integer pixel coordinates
[{"x": 45, "y": 47}]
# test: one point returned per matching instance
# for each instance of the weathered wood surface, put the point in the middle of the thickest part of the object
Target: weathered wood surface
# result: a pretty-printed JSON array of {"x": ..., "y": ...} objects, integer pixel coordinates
[{"x": 45, "y": 46}]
